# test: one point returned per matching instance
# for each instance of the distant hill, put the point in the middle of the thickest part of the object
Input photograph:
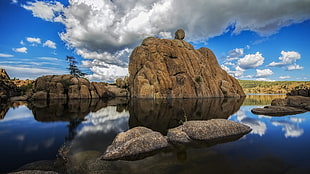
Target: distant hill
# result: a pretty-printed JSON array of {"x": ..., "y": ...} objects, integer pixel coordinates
[{"x": 277, "y": 87}]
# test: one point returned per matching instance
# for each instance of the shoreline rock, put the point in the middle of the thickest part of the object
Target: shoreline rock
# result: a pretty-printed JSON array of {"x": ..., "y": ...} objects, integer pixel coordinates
[
  {"x": 296, "y": 102},
  {"x": 69, "y": 87},
  {"x": 277, "y": 110}
]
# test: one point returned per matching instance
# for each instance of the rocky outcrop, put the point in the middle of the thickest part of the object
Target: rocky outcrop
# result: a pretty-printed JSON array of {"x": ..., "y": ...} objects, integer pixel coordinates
[
  {"x": 7, "y": 87},
  {"x": 161, "y": 68},
  {"x": 4, "y": 75},
  {"x": 71, "y": 87},
  {"x": 134, "y": 144},
  {"x": 291, "y": 105},
  {"x": 300, "y": 91}
]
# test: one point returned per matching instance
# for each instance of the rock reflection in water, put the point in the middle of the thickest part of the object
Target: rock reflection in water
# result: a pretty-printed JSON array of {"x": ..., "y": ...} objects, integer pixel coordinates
[
  {"x": 160, "y": 115},
  {"x": 61, "y": 110}
]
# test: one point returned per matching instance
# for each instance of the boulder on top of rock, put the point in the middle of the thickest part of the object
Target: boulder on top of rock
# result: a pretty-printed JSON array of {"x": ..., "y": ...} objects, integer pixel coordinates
[
  {"x": 136, "y": 143},
  {"x": 179, "y": 34},
  {"x": 162, "y": 68}
]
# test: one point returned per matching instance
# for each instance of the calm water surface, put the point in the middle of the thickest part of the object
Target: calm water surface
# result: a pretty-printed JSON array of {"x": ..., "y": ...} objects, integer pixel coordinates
[{"x": 31, "y": 132}]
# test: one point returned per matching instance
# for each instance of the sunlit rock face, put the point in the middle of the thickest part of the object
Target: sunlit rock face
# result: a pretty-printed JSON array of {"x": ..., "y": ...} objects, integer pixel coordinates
[{"x": 162, "y": 68}]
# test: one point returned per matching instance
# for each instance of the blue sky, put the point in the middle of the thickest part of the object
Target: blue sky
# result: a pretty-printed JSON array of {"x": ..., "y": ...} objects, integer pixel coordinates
[{"x": 252, "y": 40}]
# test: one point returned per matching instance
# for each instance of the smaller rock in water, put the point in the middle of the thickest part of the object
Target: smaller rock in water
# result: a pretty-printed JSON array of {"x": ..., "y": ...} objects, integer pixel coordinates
[
  {"x": 179, "y": 34},
  {"x": 277, "y": 110},
  {"x": 207, "y": 130},
  {"x": 136, "y": 143}
]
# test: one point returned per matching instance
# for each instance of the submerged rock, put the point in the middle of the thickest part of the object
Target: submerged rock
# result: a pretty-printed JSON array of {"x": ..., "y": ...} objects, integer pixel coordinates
[
  {"x": 207, "y": 131},
  {"x": 134, "y": 144},
  {"x": 162, "y": 68}
]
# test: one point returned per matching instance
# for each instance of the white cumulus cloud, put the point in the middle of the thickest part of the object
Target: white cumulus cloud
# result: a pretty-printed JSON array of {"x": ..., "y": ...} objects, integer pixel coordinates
[
  {"x": 251, "y": 61},
  {"x": 107, "y": 27},
  {"x": 50, "y": 44},
  {"x": 237, "y": 73},
  {"x": 260, "y": 73},
  {"x": 294, "y": 67},
  {"x": 33, "y": 40},
  {"x": 20, "y": 50},
  {"x": 235, "y": 54},
  {"x": 45, "y": 10},
  {"x": 286, "y": 58}
]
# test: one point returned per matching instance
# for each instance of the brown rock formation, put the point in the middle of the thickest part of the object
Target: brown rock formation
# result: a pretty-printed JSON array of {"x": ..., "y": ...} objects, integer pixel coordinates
[
  {"x": 161, "y": 68},
  {"x": 4, "y": 75},
  {"x": 71, "y": 87},
  {"x": 296, "y": 102},
  {"x": 7, "y": 87}
]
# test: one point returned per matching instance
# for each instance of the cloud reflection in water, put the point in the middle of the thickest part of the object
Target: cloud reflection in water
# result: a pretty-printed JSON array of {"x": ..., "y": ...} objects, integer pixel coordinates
[{"x": 260, "y": 124}]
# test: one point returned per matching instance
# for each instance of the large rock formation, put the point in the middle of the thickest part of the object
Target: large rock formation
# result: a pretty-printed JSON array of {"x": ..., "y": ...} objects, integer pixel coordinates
[
  {"x": 161, "y": 68},
  {"x": 71, "y": 87}
]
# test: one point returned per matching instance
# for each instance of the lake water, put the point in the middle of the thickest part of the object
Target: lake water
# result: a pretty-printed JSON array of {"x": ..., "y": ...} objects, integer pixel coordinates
[{"x": 34, "y": 132}]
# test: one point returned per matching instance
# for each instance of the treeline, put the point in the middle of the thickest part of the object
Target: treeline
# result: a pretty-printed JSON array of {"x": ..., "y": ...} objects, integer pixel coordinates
[{"x": 277, "y": 87}]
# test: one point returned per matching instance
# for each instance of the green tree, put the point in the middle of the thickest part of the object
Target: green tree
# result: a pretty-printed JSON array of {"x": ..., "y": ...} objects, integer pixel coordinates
[{"x": 74, "y": 70}]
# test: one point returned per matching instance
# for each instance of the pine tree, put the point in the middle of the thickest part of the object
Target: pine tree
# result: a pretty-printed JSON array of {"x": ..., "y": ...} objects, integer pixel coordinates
[{"x": 74, "y": 70}]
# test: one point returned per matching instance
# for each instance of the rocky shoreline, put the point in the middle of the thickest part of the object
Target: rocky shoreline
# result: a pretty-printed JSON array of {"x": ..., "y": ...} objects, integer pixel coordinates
[{"x": 296, "y": 102}]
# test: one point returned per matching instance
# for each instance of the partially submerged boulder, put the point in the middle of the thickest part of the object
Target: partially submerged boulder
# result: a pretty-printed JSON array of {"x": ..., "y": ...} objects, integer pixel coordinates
[
  {"x": 277, "y": 110},
  {"x": 134, "y": 144},
  {"x": 208, "y": 131},
  {"x": 140, "y": 142}
]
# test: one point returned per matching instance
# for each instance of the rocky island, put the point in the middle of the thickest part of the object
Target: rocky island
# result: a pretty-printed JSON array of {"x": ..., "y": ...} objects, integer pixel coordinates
[{"x": 162, "y": 68}]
